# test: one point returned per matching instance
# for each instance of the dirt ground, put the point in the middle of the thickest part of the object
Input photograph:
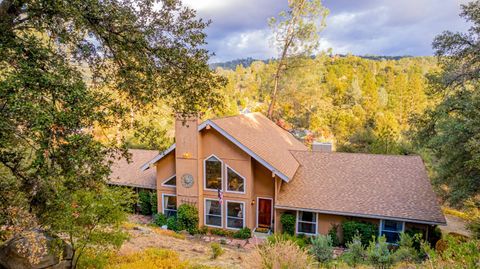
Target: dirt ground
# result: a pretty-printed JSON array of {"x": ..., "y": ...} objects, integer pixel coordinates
[
  {"x": 194, "y": 249},
  {"x": 456, "y": 225}
]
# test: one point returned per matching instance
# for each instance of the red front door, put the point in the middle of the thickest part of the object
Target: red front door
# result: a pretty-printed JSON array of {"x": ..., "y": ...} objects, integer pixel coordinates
[{"x": 264, "y": 212}]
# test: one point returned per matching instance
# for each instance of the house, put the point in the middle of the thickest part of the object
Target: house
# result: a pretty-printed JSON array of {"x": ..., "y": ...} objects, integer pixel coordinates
[{"x": 263, "y": 171}]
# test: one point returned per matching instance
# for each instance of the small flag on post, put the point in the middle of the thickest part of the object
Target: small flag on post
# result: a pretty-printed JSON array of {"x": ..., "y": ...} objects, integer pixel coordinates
[{"x": 220, "y": 196}]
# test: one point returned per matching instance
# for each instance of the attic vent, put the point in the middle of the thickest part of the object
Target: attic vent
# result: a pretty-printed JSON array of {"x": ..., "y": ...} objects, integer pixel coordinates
[{"x": 322, "y": 146}]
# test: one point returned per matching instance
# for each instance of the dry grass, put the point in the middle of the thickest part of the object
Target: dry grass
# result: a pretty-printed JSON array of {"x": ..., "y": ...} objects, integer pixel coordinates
[
  {"x": 170, "y": 233},
  {"x": 454, "y": 212},
  {"x": 282, "y": 254}
]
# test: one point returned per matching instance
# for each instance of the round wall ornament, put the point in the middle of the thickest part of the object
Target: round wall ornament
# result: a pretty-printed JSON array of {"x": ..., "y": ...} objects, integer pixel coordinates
[{"x": 187, "y": 180}]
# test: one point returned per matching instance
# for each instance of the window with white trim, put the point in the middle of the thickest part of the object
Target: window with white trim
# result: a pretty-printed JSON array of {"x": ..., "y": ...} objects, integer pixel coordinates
[
  {"x": 170, "y": 182},
  {"x": 306, "y": 222},
  {"x": 213, "y": 173},
  {"x": 235, "y": 182},
  {"x": 235, "y": 215},
  {"x": 213, "y": 213},
  {"x": 391, "y": 230},
  {"x": 169, "y": 205}
]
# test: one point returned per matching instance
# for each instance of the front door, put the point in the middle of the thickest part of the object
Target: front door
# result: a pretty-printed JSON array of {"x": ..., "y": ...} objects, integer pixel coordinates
[{"x": 264, "y": 213}]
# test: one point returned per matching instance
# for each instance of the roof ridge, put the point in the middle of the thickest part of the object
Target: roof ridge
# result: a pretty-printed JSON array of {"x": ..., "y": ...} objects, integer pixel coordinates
[{"x": 357, "y": 153}]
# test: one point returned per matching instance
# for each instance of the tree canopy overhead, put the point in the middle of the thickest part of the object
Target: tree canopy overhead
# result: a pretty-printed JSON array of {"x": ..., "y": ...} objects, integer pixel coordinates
[
  {"x": 70, "y": 68},
  {"x": 451, "y": 130}
]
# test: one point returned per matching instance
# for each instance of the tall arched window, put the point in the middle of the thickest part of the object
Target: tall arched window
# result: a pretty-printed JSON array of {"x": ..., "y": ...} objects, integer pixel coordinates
[{"x": 213, "y": 173}]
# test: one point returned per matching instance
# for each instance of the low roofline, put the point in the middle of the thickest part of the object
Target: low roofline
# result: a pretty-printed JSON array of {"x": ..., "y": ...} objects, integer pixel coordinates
[
  {"x": 157, "y": 158},
  {"x": 231, "y": 139},
  {"x": 369, "y": 216},
  {"x": 132, "y": 185}
]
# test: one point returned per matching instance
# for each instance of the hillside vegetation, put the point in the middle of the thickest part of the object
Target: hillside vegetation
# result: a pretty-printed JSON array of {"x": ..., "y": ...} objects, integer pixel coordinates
[{"x": 362, "y": 105}]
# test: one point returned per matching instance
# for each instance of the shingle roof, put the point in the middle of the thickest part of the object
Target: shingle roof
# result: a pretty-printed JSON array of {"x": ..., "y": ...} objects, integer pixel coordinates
[
  {"x": 130, "y": 174},
  {"x": 366, "y": 185},
  {"x": 266, "y": 139}
]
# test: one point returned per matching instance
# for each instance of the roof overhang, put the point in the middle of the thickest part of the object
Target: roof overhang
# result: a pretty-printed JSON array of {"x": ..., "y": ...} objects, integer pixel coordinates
[
  {"x": 157, "y": 158},
  {"x": 231, "y": 139},
  {"x": 360, "y": 215}
]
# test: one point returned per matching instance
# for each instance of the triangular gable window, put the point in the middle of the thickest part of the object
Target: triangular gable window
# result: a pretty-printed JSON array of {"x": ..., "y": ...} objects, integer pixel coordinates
[{"x": 172, "y": 182}]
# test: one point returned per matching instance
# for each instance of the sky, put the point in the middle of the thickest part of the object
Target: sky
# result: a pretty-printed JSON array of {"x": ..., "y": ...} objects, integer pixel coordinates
[{"x": 361, "y": 27}]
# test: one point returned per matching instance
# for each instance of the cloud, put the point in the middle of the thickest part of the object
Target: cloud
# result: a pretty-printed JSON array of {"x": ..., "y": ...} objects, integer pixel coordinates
[{"x": 381, "y": 27}]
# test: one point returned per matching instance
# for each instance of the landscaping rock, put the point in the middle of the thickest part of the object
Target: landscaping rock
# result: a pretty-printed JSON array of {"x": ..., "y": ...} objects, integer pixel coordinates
[{"x": 31, "y": 250}]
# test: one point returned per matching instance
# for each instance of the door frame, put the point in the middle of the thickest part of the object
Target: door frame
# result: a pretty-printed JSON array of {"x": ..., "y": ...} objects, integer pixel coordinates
[{"x": 271, "y": 210}]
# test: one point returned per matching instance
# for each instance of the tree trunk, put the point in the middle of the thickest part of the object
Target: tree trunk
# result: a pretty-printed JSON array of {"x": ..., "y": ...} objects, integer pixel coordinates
[{"x": 274, "y": 94}]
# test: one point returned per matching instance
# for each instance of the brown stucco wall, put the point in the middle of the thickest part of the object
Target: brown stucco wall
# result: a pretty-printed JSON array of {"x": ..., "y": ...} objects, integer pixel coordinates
[{"x": 165, "y": 169}]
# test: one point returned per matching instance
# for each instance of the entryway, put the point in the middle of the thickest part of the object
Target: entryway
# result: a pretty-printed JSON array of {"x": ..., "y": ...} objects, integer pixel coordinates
[{"x": 264, "y": 212}]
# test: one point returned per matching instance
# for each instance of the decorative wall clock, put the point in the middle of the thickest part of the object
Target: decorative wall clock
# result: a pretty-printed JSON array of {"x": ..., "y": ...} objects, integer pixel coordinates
[{"x": 187, "y": 180}]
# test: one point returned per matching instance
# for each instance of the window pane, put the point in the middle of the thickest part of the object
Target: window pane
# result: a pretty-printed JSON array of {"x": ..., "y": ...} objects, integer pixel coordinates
[
  {"x": 307, "y": 216},
  {"x": 391, "y": 225},
  {"x": 235, "y": 209},
  {"x": 392, "y": 237},
  {"x": 213, "y": 220},
  {"x": 171, "y": 182},
  {"x": 235, "y": 223},
  {"x": 170, "y": 202},
  {"x": 213, "y": 208},
  {"x": 306, "y": 228},
  {"x": 235, "y": 215},
  {"x": 213, "y": 173},
  {"x": 234, "y": 181},
  {"x": 170, "y": 213}
]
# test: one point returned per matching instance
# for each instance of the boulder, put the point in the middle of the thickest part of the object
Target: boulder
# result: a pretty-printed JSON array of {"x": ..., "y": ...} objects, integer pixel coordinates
[{"x": 33, "y": 250}]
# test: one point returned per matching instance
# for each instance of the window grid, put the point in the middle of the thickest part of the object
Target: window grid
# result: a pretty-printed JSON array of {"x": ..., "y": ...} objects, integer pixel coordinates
[
  {"x": 299, "y": 221},
  {"x": 240, "y": 176},
  {"x": 212, "y": 215},
  {"x": 168, "y": 211},
  {"x": 242, "y": 208},
  {"x": 205, "y": 172}
]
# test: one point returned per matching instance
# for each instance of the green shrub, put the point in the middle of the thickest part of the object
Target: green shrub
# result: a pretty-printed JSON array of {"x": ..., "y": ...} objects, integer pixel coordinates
[
  {"x": 406, "y": 251},
  {"x": 159, "y": 219},
  {"x": 187, "y": 218},
  {"x": 172, "y": 224},
  {"x": 217, "y": 250},
  {"x": 355, "y": 253},
  {"x": 365, "y": 229},
  {"x": 154, "y": 202},
  {"x": 322, "y": 248},
  {"x": 243, "y": 233},
  {"x": 221, "y": 232},
  {"x": 144, "y": 201},
  {"x": 333, "y": 232},
  {"x": 203, "y": 230},
  {"x": 461, "y": 252},
  {"x": 378, "y": 253},
  {"x": 288, "y": 223},
  {"x": 299, "y": 241}
]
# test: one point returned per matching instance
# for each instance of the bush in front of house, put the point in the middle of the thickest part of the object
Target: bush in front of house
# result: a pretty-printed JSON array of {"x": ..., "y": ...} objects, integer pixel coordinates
[
  {"x": 280, "y": 254},
  {"x": 221, "y": 232},
  {"x": 366, "y": 231},
  {"x": 333, "y": 232},
  {"x": 406, "y": 251},
  {"x": 187, "y": 218},
  {"x": 154, "y": 202},
  {"x": 355, "y": 253},
  {"x": 301, "y": 242},
  {"x": 288, "y": 223},
  {"x": 159, "y": 219},
  {"x": 322, "y": 248},
  {"x": 172, "y": 224},
  {"x": 243, "y": 233},
  {"x": 378, "y": 254},
  {"x": 144, "y": 201}
]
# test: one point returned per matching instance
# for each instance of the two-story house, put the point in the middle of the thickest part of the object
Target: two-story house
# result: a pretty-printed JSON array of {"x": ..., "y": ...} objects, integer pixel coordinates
[{"x": 263, "y": 171}]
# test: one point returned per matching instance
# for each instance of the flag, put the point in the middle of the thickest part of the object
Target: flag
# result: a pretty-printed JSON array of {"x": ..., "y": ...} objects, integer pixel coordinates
[{"x": 220, "y": 196}]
